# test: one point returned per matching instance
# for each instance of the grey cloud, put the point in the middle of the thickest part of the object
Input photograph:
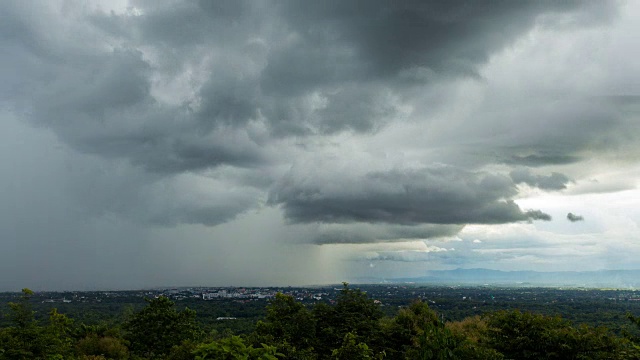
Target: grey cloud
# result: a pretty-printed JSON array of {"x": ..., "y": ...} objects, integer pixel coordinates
[
  {"x": 253, "y": 73},
  {"x": 353, "y": 108},
  {"x": 573, "y": 218},
  {"x": 294, "y": 68},
  {"x": 555, "y": 181},
  {"x": 204, "y": 214},
  {"x": 542, "y": 159},
  {"x": 432, "y": 253},
  {"x": 494, "y": 246},
  {"x": 365, "y": 108},
  {"x": 568, "y": 135},
  {"x": 548, "y": 131},
  {"x": 178, "y": 24},
  {"x": 537, "y": 215},
  {"x": 165, "y": 114},
  {"x": 340, "y": 52},
  {"x": 439, "y": 195},
  {"x": 79, "y": 222},
  {"x": 303, "y": 65},
  {"x": 388, "y": 37},
  {"x": 103, "y": 106},
  {"x": 611, "y": 185},
  {"x": 356, "y": 233},
  {"x": 399, "y": 44},
  {"x": 106, "y": 188},
  {"x": 228, "y": 99},
  {"x": 96, "y": 84}
]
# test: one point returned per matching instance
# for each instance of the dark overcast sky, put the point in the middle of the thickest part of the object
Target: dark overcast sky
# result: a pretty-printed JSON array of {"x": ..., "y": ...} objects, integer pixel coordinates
[{"x": 149, "y": 143}]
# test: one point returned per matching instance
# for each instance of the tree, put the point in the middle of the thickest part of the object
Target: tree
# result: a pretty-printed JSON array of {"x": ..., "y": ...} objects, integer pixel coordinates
[
  {"x": 353, "y": 313},
  {"x": 234, "y": 348},
  {"x": 530, "y": 336},
  {"x": 109, "y": 347},
  {"x": 350, "y": 350},
  {"x": 158, "y": 327},
  {"x": 290, "y": 326},
  {"x": 417, "y": 333},
  {"x": 26, "y": 339},
  {"x": 520, "y": 335}
]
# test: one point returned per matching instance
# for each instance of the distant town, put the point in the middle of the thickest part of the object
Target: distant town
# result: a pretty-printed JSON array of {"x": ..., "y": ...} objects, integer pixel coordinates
[{"x": 383, "y": 294}]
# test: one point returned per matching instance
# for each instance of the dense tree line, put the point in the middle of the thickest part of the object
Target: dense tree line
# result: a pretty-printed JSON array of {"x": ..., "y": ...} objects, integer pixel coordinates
[{"x": 353, "y": 328}]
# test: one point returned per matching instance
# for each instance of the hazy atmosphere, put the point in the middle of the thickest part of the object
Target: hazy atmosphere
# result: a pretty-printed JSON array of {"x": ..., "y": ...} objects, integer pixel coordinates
[{"x": 174, "y": 143}]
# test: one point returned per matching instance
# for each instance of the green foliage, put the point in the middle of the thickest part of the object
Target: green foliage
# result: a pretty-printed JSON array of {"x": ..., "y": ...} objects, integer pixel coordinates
[
  {"x": 356, "y": 312},
  {"x": 529, "y": 336},
  {"x": 234, "y": 348},
  {"x": 350, "y": 350},
  {"x": 26, "y": 339},
  {"x": 57, "y": 334},
  {"x": 109, "y": 347},
  {"x": 183, "y": 351},
  {"x": 353, "y": 328},
  {"x": 532, "y": 336},
  {"x": 353, "y": 313},
  {"x": 22, "y": 315},
  {"x": 473, "y": 332},
  {"x": 289, "y": 326},
  {"x": 417, "y": 333},
  {"x": 631, "y": 348},
  {"x": 154, "y": 330}
]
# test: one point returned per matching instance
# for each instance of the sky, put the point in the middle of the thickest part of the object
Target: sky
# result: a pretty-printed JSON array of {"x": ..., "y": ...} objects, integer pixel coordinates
[{"x": 151, "y": 143}]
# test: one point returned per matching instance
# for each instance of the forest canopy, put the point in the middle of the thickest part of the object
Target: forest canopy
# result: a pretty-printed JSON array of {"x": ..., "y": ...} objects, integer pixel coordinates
[{"x": 352, "y": 327}]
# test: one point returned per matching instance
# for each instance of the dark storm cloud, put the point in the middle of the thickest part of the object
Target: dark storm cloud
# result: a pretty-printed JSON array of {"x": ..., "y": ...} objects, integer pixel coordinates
[
  {"x": 389, "y": 37},
  {"x": 397, "y": 44},
  {"x": 441, "y": 195},
  {"x": 302, "y": 68},
  {"x": 102, "y": 105},
  {"x": 573, "y": 218},
  {"x": 555, "y": 181},
  {"x": 177, "y": 88},
  {"x": 154, "y": 142},
  {"x": 315, "y": 59},
  {"x": 180, "y": 24}
]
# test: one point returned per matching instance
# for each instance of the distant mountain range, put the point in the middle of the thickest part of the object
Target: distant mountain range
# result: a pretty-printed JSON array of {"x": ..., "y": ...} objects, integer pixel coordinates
[{"x": 592, "y": 279}]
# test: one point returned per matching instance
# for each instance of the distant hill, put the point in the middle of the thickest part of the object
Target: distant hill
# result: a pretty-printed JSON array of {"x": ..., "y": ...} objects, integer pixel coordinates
[{"x": 592, "y": 279}]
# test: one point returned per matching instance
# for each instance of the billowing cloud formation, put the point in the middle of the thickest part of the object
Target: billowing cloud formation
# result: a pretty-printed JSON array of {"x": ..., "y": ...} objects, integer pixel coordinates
[
  {"x": 334, "y": 122},
  {"x": 573, "y": 218},
  {"x": 412, "y": 40},
  {"x": 437, "y": 195},
  {"x": 204, "y": 93},
  {"x": 204, "y": 98},
  {"x": 221, "y": 95}
]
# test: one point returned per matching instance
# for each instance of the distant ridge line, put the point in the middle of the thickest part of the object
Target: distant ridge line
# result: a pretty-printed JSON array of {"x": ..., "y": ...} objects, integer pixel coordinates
[{"x": 478, "y": 276}]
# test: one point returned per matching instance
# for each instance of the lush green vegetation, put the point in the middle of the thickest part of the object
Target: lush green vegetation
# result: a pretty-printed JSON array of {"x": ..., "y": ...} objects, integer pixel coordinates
[{"x": 353, "y": 326}]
